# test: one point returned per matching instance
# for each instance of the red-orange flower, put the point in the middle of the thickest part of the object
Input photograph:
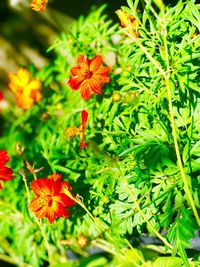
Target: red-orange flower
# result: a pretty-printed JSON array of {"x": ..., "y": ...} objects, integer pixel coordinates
[
  {"x": 5, "y": 172},
  {"x": 26, "y": 90},
  {"x": 50, "y": 201},
  {"x": 89, "y": 76},
  {"x": 39, "y": 5}
]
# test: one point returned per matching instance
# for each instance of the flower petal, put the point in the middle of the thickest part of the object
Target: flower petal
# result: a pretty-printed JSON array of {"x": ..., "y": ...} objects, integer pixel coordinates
[
  {"x": 35, "y": 205},
  {"x": 103, "y": 71},
  {"x": 4, "y": 158},
  {"x": 82, "y": 61},
  {"x": 41, "y": 213},
  {"x": 41, "y": 187},
  {"x": 101, "y": 78},
  {"x": 86, "y": 91},
  {"x": 84, "y": 118},
  {"x": 75, "y": 82},
  {"x": 56, "y": 177},
  {"x": 75, "y": 71},
  {"x": 5, "y": 174},
  {"x": 95, "y": 85},
  {"x": 34, "y": 85},
  {"x": 95, "y": 63},
  {"x": 65, "y": 213},
  {"x": 51, "y": 215},
  {"x": 24, "y": 76}
]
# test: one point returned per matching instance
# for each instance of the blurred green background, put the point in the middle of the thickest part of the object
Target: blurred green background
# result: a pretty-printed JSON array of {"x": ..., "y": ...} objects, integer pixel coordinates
[{"x": 25, "y": 35}]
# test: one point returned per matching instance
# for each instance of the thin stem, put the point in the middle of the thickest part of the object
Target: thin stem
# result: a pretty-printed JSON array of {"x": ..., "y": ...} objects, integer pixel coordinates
[
  {"x": 12, "y": 261},
  {"x": 49, "y": 252},
  {"x": 136, "y": 252},
  {"x": 149, "y": 56},
  {"x": 180, "y": 165},
  {"x": 21, "y": 172},
  {"x": 79, "y": 202}
]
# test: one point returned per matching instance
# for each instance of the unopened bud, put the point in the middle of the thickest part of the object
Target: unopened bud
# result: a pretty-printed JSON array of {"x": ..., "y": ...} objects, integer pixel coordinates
[
  {"x": 19, "y": 149},
  {"x": 45, "y": 116},
  {"x": 131, "y": 98},
  {"x": 129, "y": 68},
  {"x": 116, "y": 97},
  {"x": 82, "y": 241}
]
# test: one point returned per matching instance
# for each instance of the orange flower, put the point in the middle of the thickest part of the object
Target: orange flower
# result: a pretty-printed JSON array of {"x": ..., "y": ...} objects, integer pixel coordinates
[
  {"x": 26, "y": 90},
  {"x": 5, "y": 172},
  {"x": 89, "y": 76},
  {"x": 50, "y": 201},
  {"x": 39, "y": 5}
]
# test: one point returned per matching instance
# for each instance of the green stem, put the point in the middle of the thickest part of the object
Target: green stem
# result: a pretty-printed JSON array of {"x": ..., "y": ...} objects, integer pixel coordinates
[
  {"x": 136, "y": 252},
  {"x": 12, "y": 261},
  {"x": 79, "y": 202},
  {"x": 21, "y": 172},
  {"x": 149, "y": 56},
  {"x": 140, "y": 211},
  {"x": 49, "y": 252},
  {"x": 180, "y": 165}
]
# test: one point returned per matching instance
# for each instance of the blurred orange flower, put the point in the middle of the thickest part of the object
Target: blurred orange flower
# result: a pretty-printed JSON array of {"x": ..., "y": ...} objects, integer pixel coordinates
[
  {"x": 5, "y": 172},
  {"x": 128, "y": 21},
  {"x": 50, "y": 201},
  {"x": 39, "y": 5},
  {"x": 89, "y": 76},
  {"x": 26, "y": 90}
]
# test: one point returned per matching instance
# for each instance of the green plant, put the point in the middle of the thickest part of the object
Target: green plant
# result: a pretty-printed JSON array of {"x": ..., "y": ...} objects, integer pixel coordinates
[{"x": 139, "y": 174}]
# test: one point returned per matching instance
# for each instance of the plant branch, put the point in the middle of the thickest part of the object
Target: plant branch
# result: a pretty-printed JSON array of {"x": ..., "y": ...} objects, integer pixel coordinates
[{"x": 180, "y": 165}]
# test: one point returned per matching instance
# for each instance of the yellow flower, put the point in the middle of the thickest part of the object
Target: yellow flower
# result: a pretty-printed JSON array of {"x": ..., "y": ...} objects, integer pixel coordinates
[
  {"x": 129, "y": 22},
  {"x": 26, "y": 90},
  {"x": 39, "y": 5}
]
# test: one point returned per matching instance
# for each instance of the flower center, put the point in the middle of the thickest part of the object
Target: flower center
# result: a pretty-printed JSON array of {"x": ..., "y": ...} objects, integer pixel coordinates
[
  {"x": 45, "y": 200},
  {"x": 87, "y": 74}
]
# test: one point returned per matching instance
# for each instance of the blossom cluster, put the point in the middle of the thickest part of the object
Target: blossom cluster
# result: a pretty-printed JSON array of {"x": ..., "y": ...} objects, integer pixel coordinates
[{"x": 52, "y": 195}]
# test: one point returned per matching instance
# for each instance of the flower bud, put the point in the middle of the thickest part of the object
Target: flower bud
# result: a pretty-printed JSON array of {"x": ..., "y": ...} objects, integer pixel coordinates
[
  {"x": 45, "y": 116},
  {"x": 82, "y": 241},
  {"x": 131, "y": 98},
  {"x": 116, "y": 97},
  {"x": 19, "y": 149}
]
